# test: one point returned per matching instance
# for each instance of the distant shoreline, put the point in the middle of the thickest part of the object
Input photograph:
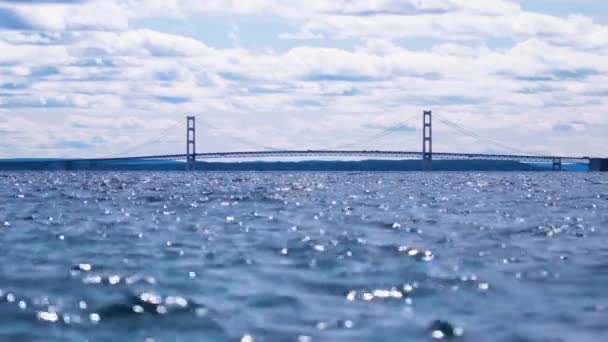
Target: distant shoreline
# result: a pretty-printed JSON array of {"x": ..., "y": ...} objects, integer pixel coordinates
[{"x": 313, "y": 165}]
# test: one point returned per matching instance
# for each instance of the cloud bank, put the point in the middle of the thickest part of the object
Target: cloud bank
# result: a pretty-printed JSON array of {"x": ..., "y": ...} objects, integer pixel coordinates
[{"x": 91, "y": 78}]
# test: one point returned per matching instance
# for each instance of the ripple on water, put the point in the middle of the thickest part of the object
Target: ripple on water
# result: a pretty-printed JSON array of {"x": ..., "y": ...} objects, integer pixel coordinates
[{"x": 303, "y": 256}]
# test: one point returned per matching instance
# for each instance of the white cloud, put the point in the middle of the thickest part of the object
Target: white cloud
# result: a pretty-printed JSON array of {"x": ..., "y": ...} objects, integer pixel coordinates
[
  {"x": 92, "y": 15},
  {"x": 490, "y": 65},
  {"x": 575, "y": 30},
  {"x": 307, "y": 8}
]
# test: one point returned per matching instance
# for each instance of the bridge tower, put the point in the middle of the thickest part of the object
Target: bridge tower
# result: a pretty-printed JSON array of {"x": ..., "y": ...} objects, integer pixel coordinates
[
  {"x": 427, "y": 140},
  {"x": 190, "y": 143}
]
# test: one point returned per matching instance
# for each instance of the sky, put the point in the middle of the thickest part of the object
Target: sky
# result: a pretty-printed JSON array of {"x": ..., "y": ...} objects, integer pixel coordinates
[{"x": 104, "y": 78}]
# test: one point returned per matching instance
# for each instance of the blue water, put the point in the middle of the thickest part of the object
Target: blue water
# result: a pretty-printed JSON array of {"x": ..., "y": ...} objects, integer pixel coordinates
[{"x": 303, "y": 256}]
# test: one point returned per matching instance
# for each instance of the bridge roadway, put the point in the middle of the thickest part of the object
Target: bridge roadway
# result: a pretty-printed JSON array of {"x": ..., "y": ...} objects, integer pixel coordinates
[{"x": 362, "y": 153}]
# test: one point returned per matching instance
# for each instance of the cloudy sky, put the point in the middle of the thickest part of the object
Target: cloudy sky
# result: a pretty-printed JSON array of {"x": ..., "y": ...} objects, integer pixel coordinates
[{"x": 117, "y": 77}]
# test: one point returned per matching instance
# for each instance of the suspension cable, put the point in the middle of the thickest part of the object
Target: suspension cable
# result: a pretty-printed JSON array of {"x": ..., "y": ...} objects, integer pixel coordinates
[
  {"x": 387, "y": 132},
  {"x": 241, "y": 140},
  {"x": 160, "y": 137},
  {"x": 476, "y": 136}
]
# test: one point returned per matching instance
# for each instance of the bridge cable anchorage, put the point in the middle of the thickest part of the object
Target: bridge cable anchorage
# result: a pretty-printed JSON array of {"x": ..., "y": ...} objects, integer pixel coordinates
[
  {"x": 160, "y": 137},
  {"x": 476, "y": 136}
]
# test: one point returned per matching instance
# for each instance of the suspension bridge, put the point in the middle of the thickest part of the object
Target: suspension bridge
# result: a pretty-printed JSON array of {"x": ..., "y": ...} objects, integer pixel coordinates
[{"x": 426, "y": 154}]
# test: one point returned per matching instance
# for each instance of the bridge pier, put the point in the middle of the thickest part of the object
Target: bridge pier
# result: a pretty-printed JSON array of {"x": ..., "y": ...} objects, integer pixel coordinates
[
  {"x": 557, "y": 164},
  {"x": 427, "y": 140},
  {"x": 598, "y": 165},
  {"x": 190, "y": 143}
]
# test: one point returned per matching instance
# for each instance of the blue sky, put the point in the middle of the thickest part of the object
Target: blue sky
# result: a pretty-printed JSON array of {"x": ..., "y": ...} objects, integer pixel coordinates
[{"x": 107, "y": 77}]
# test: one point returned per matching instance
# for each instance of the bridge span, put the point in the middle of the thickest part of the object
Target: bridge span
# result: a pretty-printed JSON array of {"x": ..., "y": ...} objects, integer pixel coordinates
[
  {"x": 356, "y": 154},
  {"x": 426, "y": 155}
]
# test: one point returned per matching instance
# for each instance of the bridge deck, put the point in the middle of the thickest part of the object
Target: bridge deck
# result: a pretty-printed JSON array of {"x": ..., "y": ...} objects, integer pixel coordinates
[{"x": 363, "y": 154}]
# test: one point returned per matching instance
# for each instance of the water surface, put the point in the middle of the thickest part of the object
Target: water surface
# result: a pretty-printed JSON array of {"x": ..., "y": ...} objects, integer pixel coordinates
[{"x": 304, "y": 256}]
